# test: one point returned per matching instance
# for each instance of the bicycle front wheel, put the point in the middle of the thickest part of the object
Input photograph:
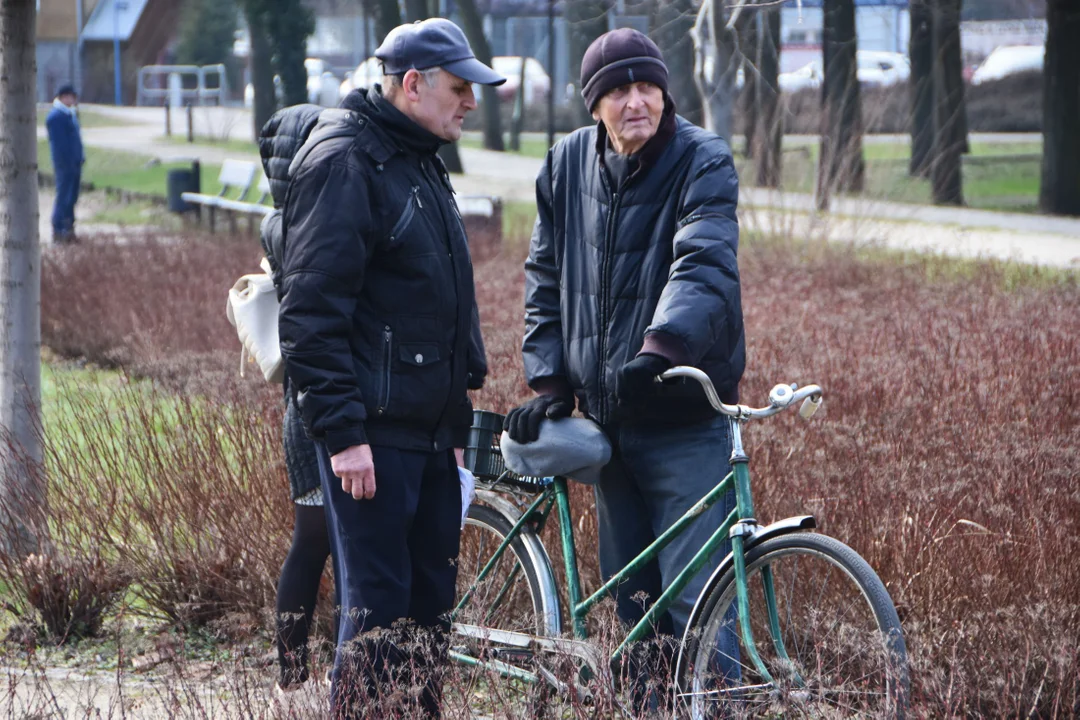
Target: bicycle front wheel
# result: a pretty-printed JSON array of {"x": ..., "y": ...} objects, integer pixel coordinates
[{"x": 834, "y": 648}]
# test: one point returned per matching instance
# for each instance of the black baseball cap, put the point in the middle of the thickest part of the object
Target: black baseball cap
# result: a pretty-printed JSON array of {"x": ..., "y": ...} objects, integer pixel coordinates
[{"x": 436, "y": 42}]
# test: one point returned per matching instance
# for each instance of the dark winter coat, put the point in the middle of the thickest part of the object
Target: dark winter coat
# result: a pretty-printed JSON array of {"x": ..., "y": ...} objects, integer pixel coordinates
[
  {"x": 65, "y": 142},
  {"x": 378, "y": 323},
  {"x": 649, "y": 266}
]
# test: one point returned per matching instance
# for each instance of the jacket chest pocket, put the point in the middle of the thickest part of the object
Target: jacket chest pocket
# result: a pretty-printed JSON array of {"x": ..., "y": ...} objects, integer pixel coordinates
[{"x": 412, "y": 205}]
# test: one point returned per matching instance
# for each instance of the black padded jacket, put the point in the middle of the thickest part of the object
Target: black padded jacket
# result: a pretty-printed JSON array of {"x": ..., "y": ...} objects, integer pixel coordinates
[
  {"x": 650, "y": 266},
  {"x": 378, "y": 322}
]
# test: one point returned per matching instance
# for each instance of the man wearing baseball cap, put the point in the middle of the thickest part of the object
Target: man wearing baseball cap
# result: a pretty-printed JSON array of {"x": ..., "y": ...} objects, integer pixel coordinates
[
  {"x": 632, "y": 269},
  {"x": 381, "y": 339},
  {"x": 66, "y": 148}
]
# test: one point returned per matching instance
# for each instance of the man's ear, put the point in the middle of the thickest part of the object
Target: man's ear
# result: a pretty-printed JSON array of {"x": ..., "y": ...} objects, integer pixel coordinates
[
  {"x": 596, "y": 115},
  {"x": 409, "y": 84}
]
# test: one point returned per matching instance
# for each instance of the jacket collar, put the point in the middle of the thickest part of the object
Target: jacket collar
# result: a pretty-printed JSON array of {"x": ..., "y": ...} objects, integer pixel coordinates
[
  {"x": 398, "y": 129},
  {"x": 654, "y": 148}
]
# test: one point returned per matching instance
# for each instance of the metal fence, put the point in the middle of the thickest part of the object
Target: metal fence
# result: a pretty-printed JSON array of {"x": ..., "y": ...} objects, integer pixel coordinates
[{"x": 160, "y": 84}]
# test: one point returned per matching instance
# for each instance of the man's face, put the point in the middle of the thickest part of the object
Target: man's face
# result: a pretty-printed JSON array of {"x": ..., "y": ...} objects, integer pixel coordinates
[
  {"x": 631, "y": 113},
  {"x": 440, "y": 109},
  {"x": 68, "y": 99}
]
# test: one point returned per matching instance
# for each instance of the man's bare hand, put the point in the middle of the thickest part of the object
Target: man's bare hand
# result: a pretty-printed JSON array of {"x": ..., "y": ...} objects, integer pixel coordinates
[
  {"x": 459, "y": 455},
  {"x": 356, "y": 469}
]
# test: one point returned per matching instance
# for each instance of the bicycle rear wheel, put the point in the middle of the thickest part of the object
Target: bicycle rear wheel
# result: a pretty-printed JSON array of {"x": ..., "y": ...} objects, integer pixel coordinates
[{"x": 842, "y": 653}]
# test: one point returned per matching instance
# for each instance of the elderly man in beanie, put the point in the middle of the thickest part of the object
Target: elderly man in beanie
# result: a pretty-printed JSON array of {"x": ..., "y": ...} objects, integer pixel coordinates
[
  {"x": 381, "y": 339},
  {"x": 632, "y": 270},
  {"x": 65, "y": 145}
]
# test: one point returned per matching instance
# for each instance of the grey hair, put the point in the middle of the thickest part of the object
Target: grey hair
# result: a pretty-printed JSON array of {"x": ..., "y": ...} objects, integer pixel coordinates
[{"x": 430, "y": 75}]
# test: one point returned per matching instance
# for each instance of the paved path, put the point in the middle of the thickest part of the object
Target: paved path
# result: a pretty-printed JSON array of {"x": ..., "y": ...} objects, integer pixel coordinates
[{"x": 955, "y": 231}]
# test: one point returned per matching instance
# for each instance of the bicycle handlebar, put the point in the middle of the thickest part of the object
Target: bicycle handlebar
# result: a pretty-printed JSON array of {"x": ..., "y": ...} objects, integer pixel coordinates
[{"x": 781, "y": 396}]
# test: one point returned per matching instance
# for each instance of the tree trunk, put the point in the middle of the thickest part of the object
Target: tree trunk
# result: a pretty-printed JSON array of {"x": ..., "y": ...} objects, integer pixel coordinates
[
  {"x": 473, "y": 25},
  {"x": 715, "y": 68},
  {"x": 1059, "y": 191},
  {"x": 587, "y": 20},
  {"x": 954, "y": 76},
  {"x": 946, "y": 170},
  {"x": 670, "y": 22},
  {"x": 262, "y": 70},
  {"x": 768, "y": 138},
  {"x": 747, "y": 32},
  {"x": 289, "y": 24},
  {"x": 387, "y": 17},
  {"x": 20, "y": 274},
  {"x": 416, "y": 10},
  {"x": 921, "y": 88},
  {"x": 840, "y": 165}
]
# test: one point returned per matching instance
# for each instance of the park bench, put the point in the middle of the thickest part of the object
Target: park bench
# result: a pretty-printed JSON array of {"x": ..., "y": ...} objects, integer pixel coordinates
[{"x": 236, "y": 179}]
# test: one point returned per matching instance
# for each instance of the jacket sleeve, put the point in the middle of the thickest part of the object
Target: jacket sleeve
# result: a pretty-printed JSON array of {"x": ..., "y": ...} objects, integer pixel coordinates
[
  {"x": 327, "y": 243},
  {"x": 703, "y": 284},
  {"x": 543, "y": 345},
  {"x": 477, "y": 365}
]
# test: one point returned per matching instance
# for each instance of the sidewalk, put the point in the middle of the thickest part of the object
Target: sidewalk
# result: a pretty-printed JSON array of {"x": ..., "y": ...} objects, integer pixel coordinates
[{"x": 962, "y": 232}]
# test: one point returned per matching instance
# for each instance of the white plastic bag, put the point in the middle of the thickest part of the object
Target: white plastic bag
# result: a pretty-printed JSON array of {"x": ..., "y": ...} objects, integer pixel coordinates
[
  {"x": 252, "y": 309},
  {"x": 468, "y": 492}
]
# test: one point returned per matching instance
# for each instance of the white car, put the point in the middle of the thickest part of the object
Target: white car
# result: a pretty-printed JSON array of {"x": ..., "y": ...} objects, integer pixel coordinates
[
  {"x": 876, "y": 69},
  {"x": 537, "y": 82},
  {"x": 365, "y": 75},
  {"x": 1008, "y": 60},
  {"x": 322, "y": 86}
]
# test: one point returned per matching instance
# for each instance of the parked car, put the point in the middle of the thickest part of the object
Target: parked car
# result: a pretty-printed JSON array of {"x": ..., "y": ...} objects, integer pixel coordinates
[
  {"x": 881, "y": 69},
  {"x": 366, "y": 74},
  {"x": 322, "y": 85},
  {"x": 537, "y": 82},
  {"x": 1008, "y": 60},
  {"x": 874, "y": 68}
]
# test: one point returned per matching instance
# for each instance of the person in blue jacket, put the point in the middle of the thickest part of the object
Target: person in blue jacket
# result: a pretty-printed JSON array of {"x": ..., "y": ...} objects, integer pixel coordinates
[{"x": 66, "y": 146}]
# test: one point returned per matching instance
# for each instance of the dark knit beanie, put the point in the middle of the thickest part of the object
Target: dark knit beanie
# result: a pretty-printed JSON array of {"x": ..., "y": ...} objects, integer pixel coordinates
[{"x": 620, "y": 57}]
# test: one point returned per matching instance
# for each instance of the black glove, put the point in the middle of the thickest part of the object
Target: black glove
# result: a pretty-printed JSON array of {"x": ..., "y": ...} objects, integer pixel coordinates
[
  {"x": 636, "y": 380},
  {"x": 523, "y": 423}
]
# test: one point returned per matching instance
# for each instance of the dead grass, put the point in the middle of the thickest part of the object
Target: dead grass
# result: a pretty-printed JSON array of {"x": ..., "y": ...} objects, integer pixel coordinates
[{"x": 946, "y": 452}]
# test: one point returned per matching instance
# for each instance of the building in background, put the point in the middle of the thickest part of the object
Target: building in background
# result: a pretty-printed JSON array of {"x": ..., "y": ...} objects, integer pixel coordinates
[{"x": 882, "y": 26}]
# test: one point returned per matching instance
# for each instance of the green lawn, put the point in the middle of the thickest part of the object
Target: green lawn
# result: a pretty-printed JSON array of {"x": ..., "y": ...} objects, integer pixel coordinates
[
  {"x": 129, "y": 171},
  {"x": 247, "y": 149},
  {"x": 996, "y": 176},
  {"x": 87, "y": 118},
  {"x": 531, "y": 146}
]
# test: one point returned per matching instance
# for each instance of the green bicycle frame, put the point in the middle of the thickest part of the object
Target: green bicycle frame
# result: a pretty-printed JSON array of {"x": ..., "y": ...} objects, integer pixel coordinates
[{"x": 579, "y": 608}]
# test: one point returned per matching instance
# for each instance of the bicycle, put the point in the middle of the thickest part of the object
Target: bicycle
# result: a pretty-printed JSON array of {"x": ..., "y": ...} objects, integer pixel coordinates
[{"x": 805, "y": 646}]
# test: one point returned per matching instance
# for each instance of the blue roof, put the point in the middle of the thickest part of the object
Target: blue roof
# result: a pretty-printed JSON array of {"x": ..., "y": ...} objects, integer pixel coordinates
[{"x": 114, "y": 18}]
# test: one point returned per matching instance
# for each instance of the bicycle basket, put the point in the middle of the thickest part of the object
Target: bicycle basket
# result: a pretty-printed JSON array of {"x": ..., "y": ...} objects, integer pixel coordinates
[{"x": 484, "y": 458}]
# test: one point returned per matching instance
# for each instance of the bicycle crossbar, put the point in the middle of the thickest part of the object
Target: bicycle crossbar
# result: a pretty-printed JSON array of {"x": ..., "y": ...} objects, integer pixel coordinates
[
  {"x": 657, "y": 545},
  {"x": 679, "y": 583}
]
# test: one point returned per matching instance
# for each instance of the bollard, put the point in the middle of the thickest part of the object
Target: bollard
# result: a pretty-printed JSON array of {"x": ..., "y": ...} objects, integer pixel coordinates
[
  {"x": 168, "y": 120},
  {"x": 190, "y": 124}
]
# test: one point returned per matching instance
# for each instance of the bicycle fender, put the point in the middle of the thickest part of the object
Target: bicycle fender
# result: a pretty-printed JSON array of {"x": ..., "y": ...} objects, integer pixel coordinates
[
  {"x": 799, "y": 523},
  {"x": 537, "y": 553}
]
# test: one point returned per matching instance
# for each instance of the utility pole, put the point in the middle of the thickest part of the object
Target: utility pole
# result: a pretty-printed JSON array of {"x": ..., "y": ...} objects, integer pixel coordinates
[
  {"x": 20, "y": 274},
  {"x": 117, "y": 94},
  {"x": 551, "y": 75}
]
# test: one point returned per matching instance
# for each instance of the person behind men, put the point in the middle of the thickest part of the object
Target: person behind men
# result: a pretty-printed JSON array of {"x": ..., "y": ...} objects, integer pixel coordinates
[
  {"x": 65, "y": 145},
  {"x": 380, "y": 334},
  {"x": 632, "y": 270}
]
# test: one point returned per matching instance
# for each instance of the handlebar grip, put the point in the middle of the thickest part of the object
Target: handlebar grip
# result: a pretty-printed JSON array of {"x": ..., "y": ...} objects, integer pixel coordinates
[{"x": 810, "y": 406}]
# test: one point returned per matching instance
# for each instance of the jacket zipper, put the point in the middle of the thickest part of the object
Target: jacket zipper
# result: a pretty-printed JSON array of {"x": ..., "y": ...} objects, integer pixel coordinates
[
  {"x": 384, "y": 401},
  {"x": 407, "y": 214},
  {"x": 605, "y": 290}
]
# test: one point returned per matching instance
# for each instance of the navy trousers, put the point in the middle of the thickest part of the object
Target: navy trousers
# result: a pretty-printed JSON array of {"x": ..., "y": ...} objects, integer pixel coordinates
[
  {"x": 395, "y": 559},
  {"x": 657, "y": 472},
  {"x": 67, "y": 194}
]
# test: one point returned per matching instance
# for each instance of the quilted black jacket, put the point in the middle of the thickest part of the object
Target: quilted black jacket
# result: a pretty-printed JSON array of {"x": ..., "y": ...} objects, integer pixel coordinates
[
  {"x": 650, "y": 266},
  {"x": 378, "y": 323}
]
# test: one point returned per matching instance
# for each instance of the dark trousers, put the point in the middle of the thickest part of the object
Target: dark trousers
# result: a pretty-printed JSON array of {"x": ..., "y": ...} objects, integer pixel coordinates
[
  {"x": 67, "y": 194},
  {"x": 394, "y": 559},
  {"x": 657, "y": 472}
]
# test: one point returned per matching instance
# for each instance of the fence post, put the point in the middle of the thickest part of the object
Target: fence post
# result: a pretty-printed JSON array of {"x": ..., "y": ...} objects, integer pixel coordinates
[
  {"x": 190, "y": 124},
  {"x": 168, "y": 119}
]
